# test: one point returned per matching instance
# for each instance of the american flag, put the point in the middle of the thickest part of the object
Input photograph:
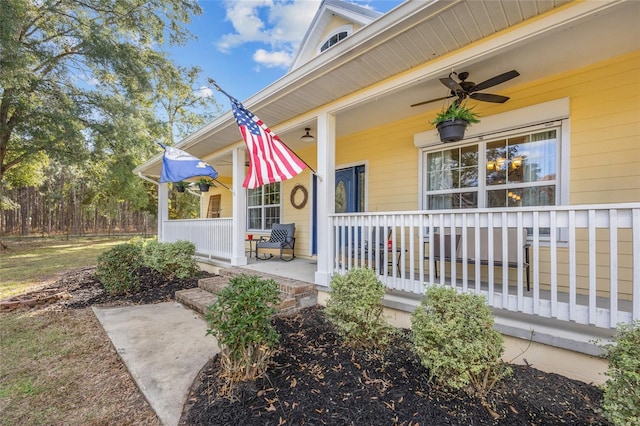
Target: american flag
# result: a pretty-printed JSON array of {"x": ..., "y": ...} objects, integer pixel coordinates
[{"x": 269, "y": 158}]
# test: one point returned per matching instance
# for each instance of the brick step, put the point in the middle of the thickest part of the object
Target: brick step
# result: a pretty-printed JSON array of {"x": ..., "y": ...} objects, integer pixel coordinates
[
  {"x": 288, "y": 286},
  {"x": 199, "y": 300},
  {"x": 213, "y": 284},
  {"x": 196, "y": 299}
]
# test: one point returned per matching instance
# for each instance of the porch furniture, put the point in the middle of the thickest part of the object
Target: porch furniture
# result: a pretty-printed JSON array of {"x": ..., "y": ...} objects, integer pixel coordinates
[
  {"x": 380, "y": 247},
  {"x": 251, "y": 243},
  {"x": 282, "y": 238},
  {"x": 482, "y": 257}
]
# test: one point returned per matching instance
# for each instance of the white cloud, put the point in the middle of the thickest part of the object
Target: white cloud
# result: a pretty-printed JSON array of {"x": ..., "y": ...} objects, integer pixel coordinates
[
  {"x": 279, "y": 25},
  {"x": 203, "y": 92},
  {"x": 272, "y": 59}
]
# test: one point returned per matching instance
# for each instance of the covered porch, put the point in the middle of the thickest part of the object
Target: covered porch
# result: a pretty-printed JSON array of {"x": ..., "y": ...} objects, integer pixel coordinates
[{"x": 582, "y": 262}]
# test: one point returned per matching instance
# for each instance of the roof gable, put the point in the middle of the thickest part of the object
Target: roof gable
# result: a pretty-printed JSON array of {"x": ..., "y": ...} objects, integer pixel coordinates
[{"x": 332, "y": 18}]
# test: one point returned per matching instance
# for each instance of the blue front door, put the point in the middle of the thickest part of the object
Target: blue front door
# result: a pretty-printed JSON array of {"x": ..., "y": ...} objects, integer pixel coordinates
[
  {"x": 350, "y": 190},
  {"x": 349, "y": 197}
]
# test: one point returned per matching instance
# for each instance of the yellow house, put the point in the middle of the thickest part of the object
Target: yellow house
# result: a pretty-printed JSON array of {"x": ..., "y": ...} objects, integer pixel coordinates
[{"x": 537, "y": 207}]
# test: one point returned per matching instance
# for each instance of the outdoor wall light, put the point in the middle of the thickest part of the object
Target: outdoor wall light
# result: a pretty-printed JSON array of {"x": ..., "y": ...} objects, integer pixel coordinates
[{"x": 307, "y": 137}]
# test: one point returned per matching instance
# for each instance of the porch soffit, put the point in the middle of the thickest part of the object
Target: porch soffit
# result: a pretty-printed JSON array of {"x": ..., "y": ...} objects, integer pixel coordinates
[{"x": 408, "y": 36}]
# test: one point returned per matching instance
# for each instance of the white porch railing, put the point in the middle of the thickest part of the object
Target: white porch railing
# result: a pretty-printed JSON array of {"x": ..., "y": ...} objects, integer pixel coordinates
[
  {"x": 212, "y": 237},
  {"x": 584, "y": 260}
]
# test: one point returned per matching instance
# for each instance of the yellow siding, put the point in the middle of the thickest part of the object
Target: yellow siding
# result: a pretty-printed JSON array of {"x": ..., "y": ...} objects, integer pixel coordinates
[
  {"x": 301, "y": 217},
  {"x": 605, "y": 127},
  {"x": 336, "y": 23},
  {"x": 392, "y": 163}
]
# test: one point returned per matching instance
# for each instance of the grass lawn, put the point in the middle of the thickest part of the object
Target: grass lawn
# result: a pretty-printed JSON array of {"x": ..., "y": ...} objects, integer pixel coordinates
[
  {"x": 35, "y": 260},
  {"x": 59, "y": 367}
]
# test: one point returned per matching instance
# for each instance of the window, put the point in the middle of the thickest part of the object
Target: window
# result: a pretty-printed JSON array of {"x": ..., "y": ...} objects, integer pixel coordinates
[
  {"x": 515, "y": 171},
  {"x": 333, "y": 40},
  {"x": 263, "y": 207}
]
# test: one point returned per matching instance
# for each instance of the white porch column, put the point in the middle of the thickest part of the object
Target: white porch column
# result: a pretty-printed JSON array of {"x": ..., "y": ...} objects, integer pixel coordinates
[
  {"x": 326, "y": 194},
  {"x": 238, "y": 255},
  {"x": 163, "y": 208}
]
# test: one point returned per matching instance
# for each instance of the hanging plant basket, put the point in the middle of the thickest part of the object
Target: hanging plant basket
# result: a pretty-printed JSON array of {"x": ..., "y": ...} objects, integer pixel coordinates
[
  {"x": 179, "y": 186},
  {"x": 204, "y": 187},
  {"x": 452, "y": 130}
]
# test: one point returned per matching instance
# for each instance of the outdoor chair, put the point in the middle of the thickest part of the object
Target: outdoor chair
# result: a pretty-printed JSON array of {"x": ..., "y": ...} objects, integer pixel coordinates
[{"x": 282, "y": 238}]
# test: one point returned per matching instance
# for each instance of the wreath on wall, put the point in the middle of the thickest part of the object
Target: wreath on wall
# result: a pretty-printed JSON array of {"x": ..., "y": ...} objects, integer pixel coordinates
[{"x": 294, "y": 193}]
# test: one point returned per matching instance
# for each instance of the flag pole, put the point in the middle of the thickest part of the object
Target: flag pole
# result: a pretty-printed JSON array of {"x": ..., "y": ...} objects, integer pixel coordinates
[{"x": 219, "y": 89}]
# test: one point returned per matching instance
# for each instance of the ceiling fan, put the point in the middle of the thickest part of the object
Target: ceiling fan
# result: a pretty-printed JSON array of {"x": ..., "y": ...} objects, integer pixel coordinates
[{"x": 468, "y": 89}]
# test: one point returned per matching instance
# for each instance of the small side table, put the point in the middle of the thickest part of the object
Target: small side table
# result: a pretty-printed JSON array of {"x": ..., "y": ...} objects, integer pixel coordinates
[{"x": 251, "y": 246}]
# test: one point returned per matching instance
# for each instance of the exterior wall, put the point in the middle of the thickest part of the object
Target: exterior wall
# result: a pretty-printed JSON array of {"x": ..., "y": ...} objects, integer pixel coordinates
[
  {"x": 336, "y": 23},
  {"x": 391, "y": 163},
  {"x": 605, "y": 127},
  {"x": 301, "y": 217},
  {"x": 226, "y": 199},
  {"x": 604, "y": 156}
]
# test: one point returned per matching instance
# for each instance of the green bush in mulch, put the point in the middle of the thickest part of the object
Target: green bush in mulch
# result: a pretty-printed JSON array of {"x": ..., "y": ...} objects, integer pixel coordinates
[
  {"x": 171, "y": 259},
  {"x": 355, "y": 308},
  {"x": 240, "y": 319},
  {"x": 621, "y": 403},
  {"x": 119, "y": 268},
  {"x": 454, "y": 337}
]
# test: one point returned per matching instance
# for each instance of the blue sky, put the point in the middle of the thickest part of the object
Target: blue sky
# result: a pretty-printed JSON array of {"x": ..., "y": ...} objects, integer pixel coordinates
[{"x": 245, "y": 45}]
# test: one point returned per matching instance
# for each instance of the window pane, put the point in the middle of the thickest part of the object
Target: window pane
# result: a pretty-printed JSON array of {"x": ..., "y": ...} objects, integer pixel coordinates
[
  {"x": 468, "y": 200},
  {"x": 496, "y": 154},
  {"x": 462, "y": 200},
  {"x": 254, "y": 197},
  {"x": 539, "y": 196},
  {"x": 272, "y": 215},
  {"x": 515, "y": 167},
  {"x": 255, "y": 218},
  {"x": 263, "y": 206},
  {"x": 469, "y": 166}
]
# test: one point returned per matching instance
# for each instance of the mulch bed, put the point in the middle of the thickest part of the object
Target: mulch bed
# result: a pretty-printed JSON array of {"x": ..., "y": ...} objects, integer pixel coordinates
[{"x": 317, "y": 380}]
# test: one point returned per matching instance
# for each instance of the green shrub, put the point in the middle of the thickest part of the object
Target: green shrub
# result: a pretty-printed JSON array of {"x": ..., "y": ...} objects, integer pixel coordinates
[
  {"x": 171, "y": 259},
  {"x": 119, "y": 268},
  {"x": 453, "y": 335},
  {"x": 621, "y": 403},
  {"x": 355, "y": 308},
  {"x": 240, "y": 319}
]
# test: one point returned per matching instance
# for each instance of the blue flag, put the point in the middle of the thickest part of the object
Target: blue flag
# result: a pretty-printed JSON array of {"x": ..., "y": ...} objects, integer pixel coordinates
[{"x": 178, "y": 165}]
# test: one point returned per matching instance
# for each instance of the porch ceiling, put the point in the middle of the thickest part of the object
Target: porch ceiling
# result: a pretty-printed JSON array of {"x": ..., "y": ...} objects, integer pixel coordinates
[{"x": 412, "y": 35}]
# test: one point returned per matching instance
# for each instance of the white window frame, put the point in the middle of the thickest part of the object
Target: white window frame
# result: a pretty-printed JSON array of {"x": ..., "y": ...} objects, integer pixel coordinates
[
  {"x": 262, "y": 207},
  {"x": 345, "y": 28},
  {"x": 548, "y": 114},
  {"x": 482, "y": 188}
]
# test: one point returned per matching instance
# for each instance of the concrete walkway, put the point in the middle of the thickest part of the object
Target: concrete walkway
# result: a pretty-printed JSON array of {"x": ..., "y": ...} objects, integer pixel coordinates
[{"x": 164, "y": 346}]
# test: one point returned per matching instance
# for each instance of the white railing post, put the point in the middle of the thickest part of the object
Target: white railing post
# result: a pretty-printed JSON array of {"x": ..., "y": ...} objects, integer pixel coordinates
[{"x": 554, "y": 247}]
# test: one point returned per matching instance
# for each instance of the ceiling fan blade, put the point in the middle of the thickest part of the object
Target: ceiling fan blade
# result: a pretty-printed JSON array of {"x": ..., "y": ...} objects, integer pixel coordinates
[
  {"x": 452, "y": 85},
  {"x": 495, "y": 80},
  {"x": 488, "y": 97},
  {"x": 432, "y": 100}
]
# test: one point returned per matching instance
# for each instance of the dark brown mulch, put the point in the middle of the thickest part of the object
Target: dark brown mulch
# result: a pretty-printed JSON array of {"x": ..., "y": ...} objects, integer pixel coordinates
[
  {"x": 154, "y": 288},
  {"x": 317, "y": 380},
  {"x": 80, "y": 289}
]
